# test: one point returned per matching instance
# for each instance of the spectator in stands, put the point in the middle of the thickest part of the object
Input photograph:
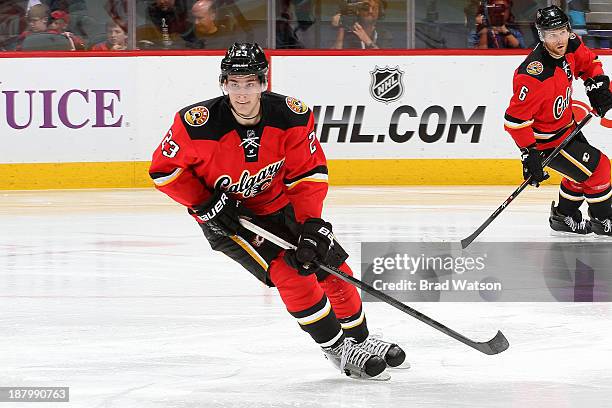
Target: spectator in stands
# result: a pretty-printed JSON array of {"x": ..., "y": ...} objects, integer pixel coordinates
[
  {"x": 37, "y": 18},
  {"x": 167, "y": 20},
  {"x": 499, "y": 31},
  {"x": 82, "y": 22},
  {"x": 31, "y": 3},
  {"x": 357, "y": 25},
  {"x": 59, "y": 24},
  {"x": 232, "y": 16},
  {"x": 38, "y": 36},
  {"x": 294, "y": 17},
  {"x": 286, "y": 35},
  {"x": 206, "y": 31},
  {"x": 116, "y": 38},
  {"x": 12, "y": 23},
  {"x": 576, "y": 12},
  {"x": 118, "y": 12}
]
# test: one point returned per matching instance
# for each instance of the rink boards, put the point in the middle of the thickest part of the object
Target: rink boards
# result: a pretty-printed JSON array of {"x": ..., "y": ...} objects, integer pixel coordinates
[{"x": 404, "y": 117}]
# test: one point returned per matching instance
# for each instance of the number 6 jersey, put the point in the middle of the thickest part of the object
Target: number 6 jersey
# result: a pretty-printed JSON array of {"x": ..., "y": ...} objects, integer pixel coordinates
[{"x": 540, "y": 110}]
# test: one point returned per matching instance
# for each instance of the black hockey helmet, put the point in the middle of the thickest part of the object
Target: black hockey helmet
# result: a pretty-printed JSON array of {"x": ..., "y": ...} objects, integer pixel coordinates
[
  {"x": 551, "y": 18},
  {"x": 244, "y": 59}
]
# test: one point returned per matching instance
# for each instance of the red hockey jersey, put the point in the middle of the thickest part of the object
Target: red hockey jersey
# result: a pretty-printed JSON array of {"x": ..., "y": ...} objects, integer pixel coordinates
[
  {"x": 540, "y": 110},
  {"x": 266, "y": 166}
]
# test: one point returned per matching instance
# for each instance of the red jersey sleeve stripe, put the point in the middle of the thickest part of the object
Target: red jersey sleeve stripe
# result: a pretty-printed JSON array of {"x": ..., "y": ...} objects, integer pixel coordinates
[
  {"x": 511, "y": 125},
  {"x": 163, "y": 179},
  {"x": 315, "y": 178},
  {"x": 317, "y": 174}
]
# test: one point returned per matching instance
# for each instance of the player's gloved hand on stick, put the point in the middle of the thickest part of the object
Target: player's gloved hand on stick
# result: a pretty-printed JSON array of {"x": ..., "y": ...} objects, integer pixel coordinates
[
  {"x": 598, "y": 91},
  {"x": 532, "y": 165},
  {"x": 314, "y": 243},
  {"x": 220, "y": 213}
]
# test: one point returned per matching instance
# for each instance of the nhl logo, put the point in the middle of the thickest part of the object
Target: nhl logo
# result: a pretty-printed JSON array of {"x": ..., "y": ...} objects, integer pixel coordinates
[{"x": 386, "y": 85}]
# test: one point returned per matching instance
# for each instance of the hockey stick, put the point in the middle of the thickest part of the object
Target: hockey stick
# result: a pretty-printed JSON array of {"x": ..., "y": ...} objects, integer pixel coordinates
[
  {"x": 496, "y": 345},
  {"x": 467, "y": 241}
]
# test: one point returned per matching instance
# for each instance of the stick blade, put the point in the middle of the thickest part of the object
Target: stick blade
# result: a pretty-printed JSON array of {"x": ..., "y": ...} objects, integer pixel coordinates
[
  {"x": 467, "y": 241},
  {"x": 496, "y": 345}
]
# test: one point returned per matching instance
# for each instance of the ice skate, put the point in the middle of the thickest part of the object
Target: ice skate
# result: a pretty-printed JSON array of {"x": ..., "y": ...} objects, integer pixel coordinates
[
  {"x": 356, "y": 362},
  {"x": 569, "y": 223},
  {"x": 601, "y": 226},
  {"x": 393, "y": 354}
]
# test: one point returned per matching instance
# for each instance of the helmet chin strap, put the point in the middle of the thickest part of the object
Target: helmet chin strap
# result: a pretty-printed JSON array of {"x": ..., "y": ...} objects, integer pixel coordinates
[{"x": 246, "y": 117}]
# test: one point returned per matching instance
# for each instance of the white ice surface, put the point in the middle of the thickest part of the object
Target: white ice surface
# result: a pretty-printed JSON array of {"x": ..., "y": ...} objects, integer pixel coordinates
[{"x": 116, "y": 294}]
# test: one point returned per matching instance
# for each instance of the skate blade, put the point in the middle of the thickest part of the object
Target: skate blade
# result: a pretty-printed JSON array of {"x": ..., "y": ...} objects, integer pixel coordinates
[
  {"x": 566, "y": 234},
  {"x": 404, "y": 366},
  {"x": 384, "y": 376}
]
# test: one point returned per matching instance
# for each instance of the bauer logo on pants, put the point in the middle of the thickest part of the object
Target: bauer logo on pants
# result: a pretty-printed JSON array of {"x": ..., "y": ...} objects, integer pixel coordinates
[{"x": 386, "y": 85}]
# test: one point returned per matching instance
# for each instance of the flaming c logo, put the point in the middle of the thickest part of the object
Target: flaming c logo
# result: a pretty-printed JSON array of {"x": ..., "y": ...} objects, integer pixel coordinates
[{"x": 581, "y": 109}]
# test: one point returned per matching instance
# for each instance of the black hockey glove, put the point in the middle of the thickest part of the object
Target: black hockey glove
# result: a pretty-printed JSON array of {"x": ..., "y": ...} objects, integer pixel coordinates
[
  {"x": 220, "y": 213},
  {"x": 314, "y": 243},
  {"x": 532, "y": 165},
  {"x": 598, "y": 91}
]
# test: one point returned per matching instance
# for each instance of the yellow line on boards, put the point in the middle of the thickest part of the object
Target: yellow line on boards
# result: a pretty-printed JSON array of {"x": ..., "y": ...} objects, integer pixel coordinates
[
  {"x": 441, "y": 172},
  {"x": 35, "y": 176},
  {"x": 42, "y": 176}
]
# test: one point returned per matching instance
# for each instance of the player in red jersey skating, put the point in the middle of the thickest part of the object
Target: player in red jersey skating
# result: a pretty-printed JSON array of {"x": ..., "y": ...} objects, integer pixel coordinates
[
  {"x": 540, "y": 117},
  {"x": 255, "y": 152}
]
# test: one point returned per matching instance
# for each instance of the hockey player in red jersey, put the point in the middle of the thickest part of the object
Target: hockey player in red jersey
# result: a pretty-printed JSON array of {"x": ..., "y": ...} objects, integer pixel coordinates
[
  {"x": 255, "y": 153},
  {"x": 540, "y": 117}
]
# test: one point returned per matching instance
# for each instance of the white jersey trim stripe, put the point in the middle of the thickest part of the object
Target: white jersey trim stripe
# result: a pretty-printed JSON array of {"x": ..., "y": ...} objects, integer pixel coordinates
[
  {"x": 515, "y": 125},
  {"x": 544, "y": 136},
  {"x": 162, "y": 181},
  {"x": 317, "y": 178}
]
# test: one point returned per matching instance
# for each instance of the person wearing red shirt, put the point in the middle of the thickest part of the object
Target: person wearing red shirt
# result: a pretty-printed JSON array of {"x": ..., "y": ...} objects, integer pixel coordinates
[
  {"x": 540, "y": 117},
  {"x": 59, "y": 25},
  {"x": 254, "y": 153},
  {"x": 38, "y": 22},
  {"x": 116, "y": 38}
]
